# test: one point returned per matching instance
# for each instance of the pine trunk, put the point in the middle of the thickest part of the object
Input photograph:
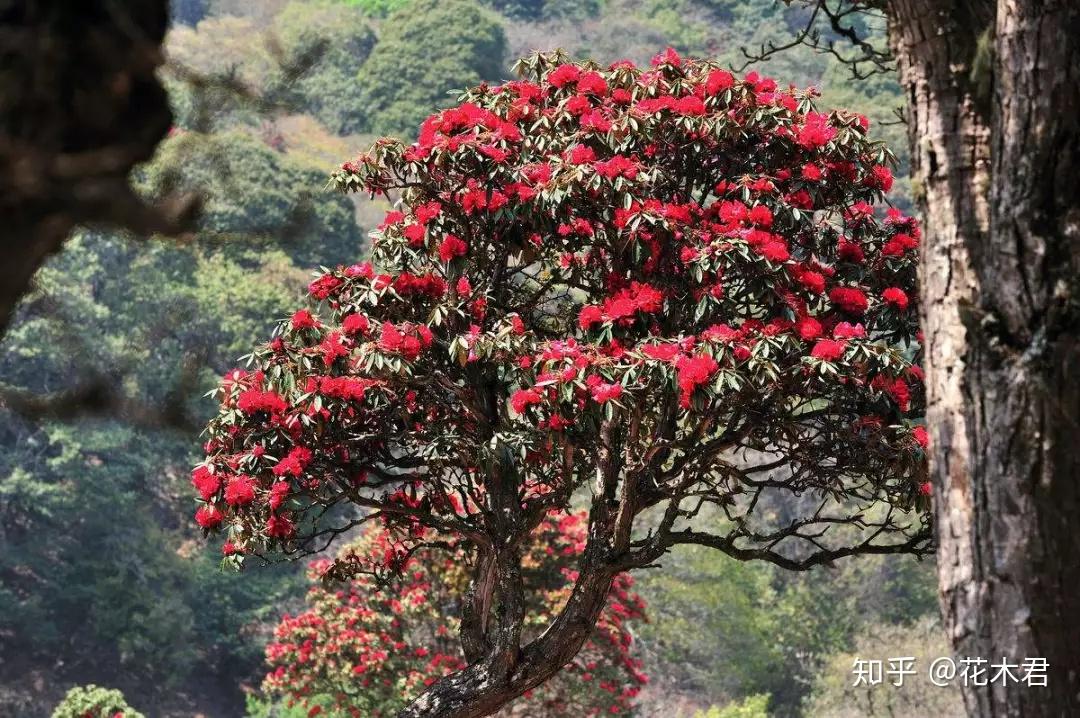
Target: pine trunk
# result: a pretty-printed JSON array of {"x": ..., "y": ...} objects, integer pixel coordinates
[{"x": 994, "y": 101}]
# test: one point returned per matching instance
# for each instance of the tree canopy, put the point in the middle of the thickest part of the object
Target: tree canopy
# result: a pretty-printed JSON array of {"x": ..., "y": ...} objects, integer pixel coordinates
[{"x": 666, "y": 288}]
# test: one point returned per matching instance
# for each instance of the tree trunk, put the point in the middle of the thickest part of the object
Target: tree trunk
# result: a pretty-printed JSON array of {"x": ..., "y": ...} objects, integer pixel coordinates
[
  {"x": 80, "y": 106},
  {"x": 995, "y": 143},
  {"x": 484, "y": 687},
  {"x": 507, "y": 669}
]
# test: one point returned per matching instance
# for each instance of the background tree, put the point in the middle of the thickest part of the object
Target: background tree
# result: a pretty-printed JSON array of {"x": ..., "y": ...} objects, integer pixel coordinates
[
  {"x": 130, "y": 607},
  {"x": 663, "y": 289},
  {"x": 834, "y": 695},
  {"x": 409, "y": 72}
]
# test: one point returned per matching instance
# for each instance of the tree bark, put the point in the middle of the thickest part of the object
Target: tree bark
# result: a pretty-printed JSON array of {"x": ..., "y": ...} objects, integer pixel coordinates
[
  {"x": 995, "y": 171},
  {"x": 80, "y": 105},
  {"x": 507, "y": 669},
  {"x": 484, "y": 687}
]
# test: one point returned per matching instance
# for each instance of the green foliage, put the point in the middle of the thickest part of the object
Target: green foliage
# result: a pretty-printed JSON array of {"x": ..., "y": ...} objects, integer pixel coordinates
[
  {"x": 258, "y": 707},
  {"x": 546, "y": 9},
  {"x": 96, "y": 558},
  {"x": 424, "y": 51},
  {"x": 738, "y": 629},
  {"x": 377, "y": 8},
  {"x": 260, "y": 194},
  {"x": 755, "y": 706},
  {"x": 94, "y": 702},
  {"x": 717, "y": 632},
  {"x": 325, "y": 45},
  {"x": 833, "y": 694}
]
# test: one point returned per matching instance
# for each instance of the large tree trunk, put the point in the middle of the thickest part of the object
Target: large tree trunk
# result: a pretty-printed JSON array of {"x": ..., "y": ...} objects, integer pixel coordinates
[
  {"x": 80, "y": 105},
  {"x": 484, "y": 687},
  {"x": 994, "y": 157}
]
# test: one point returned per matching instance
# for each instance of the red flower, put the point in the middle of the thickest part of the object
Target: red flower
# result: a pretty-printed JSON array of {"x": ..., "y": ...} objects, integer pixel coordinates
[
  {"x": 208, "y": 517},
  {"x": 593, "y": 83},
  {"x": 761, "y": 216},
  {"x": 324, "y": 286},
  {"x": 849, "y": 299},
  {"x": 595, "y": 121},
  {"x": 808, "y": 328},
  {"x": 615, "y": 167},
  {"x": 920, "y": 436},
  {"x": 774, "y": 251},
  {"x": 718, "y": 81},
  {"x": 589, "y": 315},
  {"x": 814, "y": 281},
  {"x": 846, "y": 330},
  {"x": 581, "y": 154},
  {"x": 899, "y": 244},
  {"x": 205, "y": 483},
  {"x": 451, "y": 247},
  {"x": 896, "y": 297},
  {"x": 415, "y": 233},
  {"x": 304, "y": 320},
  {"x": 828, "y": 350},
  {"x": 693, "y": 372},
  {"x": 355, "y": 324},
  {"x": 332, "y": 348},
  {"x": 523, "y": 399},
  {"x": 668, "y": 57},
  {"x": 816, "y": 132},
  {"x": 564, "y": 75},
  {"x": 280, "y": 527},
  {"x": 879, "y": 178},
  {"x": 691, "y": 106},
  {"x": 604, "y": 392},
  {"x": 240, "y": 491},
  {"x": 293, "y": 463},
  {"x": 253, "y": 401},
  {"x": 427, "y": 212},
  {"x": 660, "y": 352},
  {"x": 278, "y": 492}
]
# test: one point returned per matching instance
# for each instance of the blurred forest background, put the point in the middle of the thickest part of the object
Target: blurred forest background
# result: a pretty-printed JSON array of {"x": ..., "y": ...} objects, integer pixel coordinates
[{"x": 103, "y": 576}]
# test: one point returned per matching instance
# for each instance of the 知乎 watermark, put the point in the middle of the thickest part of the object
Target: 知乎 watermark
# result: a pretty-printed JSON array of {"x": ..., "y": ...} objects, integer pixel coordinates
[{"x": 944, "y": 671}]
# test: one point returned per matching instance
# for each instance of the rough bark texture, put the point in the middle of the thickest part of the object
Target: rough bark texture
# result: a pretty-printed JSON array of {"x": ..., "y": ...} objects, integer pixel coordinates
[
  {"x": 995, "y": 142},
  {"x": 80, "y": 105},
  {"x": 501, "y": 668}
]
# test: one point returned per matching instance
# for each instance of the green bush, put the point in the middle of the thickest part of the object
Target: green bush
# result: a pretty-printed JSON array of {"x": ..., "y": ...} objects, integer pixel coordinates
[
  {"x": 94, "y": 702},
  {"x": 755, "y": 706},
  {"x": 834, "y": 694}
]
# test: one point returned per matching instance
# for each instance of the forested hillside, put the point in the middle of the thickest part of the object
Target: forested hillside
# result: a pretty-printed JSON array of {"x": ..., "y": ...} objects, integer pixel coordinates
[{"x": 104, "y": 578}]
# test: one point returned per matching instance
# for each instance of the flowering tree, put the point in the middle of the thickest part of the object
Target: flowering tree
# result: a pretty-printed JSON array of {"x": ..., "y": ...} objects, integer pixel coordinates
[
  {"x": 665, "y": 292},
  {"x": 365, "y": 647}
]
